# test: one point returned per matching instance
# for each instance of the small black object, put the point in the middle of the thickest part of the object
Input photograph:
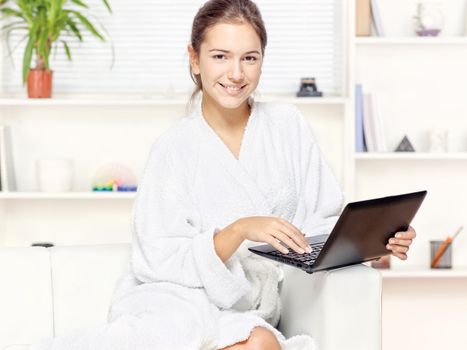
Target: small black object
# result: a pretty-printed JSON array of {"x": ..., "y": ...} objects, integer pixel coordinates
[
  {"x": 405, "y": 145},
  {"x": 308, "y": 88},
  {"x": 42, "y": 244}
]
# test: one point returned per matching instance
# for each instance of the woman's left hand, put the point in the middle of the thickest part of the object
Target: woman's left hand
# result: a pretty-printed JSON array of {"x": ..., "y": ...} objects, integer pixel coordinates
[{"x": 399, "y": 245}]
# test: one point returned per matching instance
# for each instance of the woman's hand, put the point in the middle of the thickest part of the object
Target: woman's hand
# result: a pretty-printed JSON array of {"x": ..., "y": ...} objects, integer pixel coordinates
[
  {"x": 401, "y": 242},
  {"x": 272, "y": 230}
]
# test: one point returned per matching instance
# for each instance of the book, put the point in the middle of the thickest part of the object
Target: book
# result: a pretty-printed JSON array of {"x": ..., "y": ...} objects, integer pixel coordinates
[
  {"x": 368, "y": 123},
  {"x": 378, "y": 124},
  {"x": 373, "y": 129},
  {"x": 363, "y": 18},
  {"x": 376, "y": 16},
  {"x": 359, "y": 133},
  {"x": 7, "y": 173}
]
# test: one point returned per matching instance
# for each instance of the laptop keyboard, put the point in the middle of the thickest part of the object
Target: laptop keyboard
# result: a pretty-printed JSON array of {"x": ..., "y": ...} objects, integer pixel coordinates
[{"x": 307, "y": 258}]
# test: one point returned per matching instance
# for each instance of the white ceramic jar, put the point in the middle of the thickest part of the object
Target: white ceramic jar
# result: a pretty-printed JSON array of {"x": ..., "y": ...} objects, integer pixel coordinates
[{"x": 54, "y": 175}]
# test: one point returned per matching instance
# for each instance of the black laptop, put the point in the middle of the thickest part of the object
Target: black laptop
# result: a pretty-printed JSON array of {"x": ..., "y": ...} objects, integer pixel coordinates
[{"x": 361, "y": 234}]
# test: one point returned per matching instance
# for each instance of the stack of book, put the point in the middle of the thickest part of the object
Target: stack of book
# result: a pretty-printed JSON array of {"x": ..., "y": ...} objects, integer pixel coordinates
[
  {"x": 369, "y": 128},
  {"x": 368, "y": 19}
]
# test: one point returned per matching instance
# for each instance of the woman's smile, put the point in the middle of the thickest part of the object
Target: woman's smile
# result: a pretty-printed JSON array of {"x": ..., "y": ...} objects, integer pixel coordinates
[{"x": 232, "y": 90}]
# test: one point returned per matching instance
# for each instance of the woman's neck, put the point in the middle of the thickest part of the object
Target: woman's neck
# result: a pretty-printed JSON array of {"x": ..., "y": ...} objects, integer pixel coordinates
[{"x": 221, "y": 118}]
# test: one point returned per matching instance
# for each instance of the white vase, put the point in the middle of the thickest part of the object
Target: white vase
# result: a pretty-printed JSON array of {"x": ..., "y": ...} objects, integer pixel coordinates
[{"x": 54, "y": 175}]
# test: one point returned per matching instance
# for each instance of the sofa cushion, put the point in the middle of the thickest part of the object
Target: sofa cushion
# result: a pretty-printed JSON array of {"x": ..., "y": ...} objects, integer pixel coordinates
[
  {"x": 25, "y": 293},
  {"x": 84, "y": 278}
]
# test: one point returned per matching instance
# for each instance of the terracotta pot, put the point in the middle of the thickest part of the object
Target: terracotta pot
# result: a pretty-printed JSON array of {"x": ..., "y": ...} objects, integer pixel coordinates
[{"x": 40, "y": 83}]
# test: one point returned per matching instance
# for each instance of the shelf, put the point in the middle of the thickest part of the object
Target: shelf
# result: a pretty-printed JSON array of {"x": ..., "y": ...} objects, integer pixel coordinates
[
  {"x": 68, "y": 195},
  {"x": 411, "y": 41},
  {"x": 424, "y": 273},
  {"x": 410, "y": 156},
  {"x": 154, "y": 100}
]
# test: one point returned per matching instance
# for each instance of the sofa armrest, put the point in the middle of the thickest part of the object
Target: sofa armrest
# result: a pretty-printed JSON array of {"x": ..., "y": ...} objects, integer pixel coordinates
[{"x": 340, "y": 309}]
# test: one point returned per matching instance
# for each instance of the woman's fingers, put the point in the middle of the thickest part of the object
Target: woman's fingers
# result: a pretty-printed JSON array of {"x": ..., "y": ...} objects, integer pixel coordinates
[
  {"x": 401, "y": 256},
  {"x": 409, "y": 234},
  {"x": 405, "y": 242},
  {"x": 291, "y": 231},
  {"x": 289, "y": 242},
  {"x": 400, "y": 243},
  {"x": 276, "y": 244},
  {"x": 397, "y": 248}
]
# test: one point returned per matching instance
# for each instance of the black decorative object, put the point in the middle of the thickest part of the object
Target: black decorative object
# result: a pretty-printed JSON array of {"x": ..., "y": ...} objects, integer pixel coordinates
[
  {"x": 42, "y": 244},
  {"x": 405, "y": 145},
  {"x": 308, "y": 88}
]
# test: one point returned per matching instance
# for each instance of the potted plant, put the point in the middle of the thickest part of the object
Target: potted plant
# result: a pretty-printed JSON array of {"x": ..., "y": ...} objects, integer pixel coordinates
[{"x": 43, "y": 22}]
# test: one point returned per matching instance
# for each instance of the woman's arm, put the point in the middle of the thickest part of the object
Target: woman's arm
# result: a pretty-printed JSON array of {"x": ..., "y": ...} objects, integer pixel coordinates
[
  {"x": 227, "y": 241},
  {"x": 267, "y": 229}
]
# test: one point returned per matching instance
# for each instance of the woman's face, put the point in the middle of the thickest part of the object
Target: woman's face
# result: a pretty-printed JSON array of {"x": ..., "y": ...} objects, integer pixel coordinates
[{"x": 229, "y": 63}]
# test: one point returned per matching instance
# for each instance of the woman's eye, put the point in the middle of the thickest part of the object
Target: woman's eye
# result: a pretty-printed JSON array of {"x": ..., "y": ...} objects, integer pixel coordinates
[
  {"x": 218, "y": 57},
  {"x": 250, "y": 58}
]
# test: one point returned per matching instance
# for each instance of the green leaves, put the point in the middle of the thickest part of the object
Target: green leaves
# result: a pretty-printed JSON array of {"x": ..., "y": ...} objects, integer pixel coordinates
[
  {"x": 106, "y": 4},
  {"x": 79, "y": 3},
  {"x": 67, "y": 50},
  {"x": 11, "y": 12},
  {"x": 87, "y": 24},
  {"x": 45, "y": 21},
  {"x": 27, "y": 57}
]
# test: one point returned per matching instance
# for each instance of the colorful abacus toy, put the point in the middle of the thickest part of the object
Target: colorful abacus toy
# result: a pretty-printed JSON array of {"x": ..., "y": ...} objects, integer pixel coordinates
[{"x": 114, "y": 177}]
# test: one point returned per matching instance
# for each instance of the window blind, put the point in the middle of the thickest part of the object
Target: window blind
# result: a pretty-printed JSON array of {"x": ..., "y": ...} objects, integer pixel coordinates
[{"x": 149, "y": 40}]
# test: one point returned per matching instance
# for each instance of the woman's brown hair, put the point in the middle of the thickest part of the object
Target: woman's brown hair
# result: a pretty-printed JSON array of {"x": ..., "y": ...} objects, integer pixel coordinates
[{"x": 223, "y": 11}]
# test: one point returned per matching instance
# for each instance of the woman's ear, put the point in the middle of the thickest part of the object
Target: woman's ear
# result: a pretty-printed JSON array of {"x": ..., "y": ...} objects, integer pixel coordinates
[{"x": 194, "y": 62}]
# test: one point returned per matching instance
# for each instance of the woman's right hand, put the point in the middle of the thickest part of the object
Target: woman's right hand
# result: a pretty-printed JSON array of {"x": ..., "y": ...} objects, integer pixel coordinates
[{"x": 273, "y": 230}]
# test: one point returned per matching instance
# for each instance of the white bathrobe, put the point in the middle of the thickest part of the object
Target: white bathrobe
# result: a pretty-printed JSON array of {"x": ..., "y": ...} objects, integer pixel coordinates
[{"x": 179, "y": 294}]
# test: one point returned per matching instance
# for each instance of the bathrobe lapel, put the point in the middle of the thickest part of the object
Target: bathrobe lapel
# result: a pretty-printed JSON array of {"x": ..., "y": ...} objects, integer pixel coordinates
[{"x": 212, "y": 144}]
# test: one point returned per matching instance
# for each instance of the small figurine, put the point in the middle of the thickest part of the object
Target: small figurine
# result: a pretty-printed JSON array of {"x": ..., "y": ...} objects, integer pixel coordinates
[
  {"x": 429, "y": 19},
  {"x": 405, "y": 146},
  {"x": 308, "y": 88}
]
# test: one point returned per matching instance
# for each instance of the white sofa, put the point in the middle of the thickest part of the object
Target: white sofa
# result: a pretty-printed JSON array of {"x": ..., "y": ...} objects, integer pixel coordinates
[{"x": 51, "y": 291}]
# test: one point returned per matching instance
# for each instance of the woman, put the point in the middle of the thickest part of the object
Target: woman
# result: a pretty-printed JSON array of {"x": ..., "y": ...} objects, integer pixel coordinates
[{"x": 234, "y": 171}]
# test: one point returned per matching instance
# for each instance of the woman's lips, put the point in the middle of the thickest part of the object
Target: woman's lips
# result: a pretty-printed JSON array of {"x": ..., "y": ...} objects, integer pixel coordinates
[{"x": 232, "y": 90}]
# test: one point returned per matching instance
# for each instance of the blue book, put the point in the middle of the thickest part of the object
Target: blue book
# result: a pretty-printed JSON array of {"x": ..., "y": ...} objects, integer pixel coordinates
[{"x": 359, "y": 133}]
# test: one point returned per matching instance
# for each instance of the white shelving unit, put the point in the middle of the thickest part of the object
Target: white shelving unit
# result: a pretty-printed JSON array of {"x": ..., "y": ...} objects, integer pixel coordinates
[
  {"x": 419, "y": 84},
  {"x": 105, "y": 120}
]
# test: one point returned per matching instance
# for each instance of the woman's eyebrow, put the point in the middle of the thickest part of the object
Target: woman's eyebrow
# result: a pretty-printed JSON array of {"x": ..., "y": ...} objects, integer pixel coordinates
[{"x": 226, "y": 51}]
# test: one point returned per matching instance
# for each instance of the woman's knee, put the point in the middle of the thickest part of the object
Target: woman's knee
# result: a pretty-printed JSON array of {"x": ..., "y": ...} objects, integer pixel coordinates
[{"x": 262, "y": 339}]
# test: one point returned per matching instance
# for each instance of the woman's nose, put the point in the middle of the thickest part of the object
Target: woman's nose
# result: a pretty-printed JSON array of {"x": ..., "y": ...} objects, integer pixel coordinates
[{"x": 236, "y": 72}]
